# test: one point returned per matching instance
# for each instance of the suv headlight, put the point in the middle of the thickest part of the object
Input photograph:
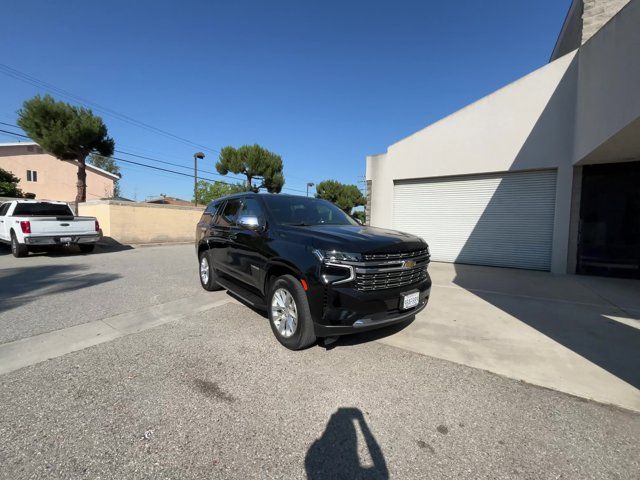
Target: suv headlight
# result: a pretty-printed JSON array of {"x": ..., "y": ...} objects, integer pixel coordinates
[
  {"x": 334, "y": 268},
  {"x": 336, "y": 256}
]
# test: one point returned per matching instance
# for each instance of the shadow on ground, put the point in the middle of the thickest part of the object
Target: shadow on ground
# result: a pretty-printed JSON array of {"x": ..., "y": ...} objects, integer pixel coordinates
[
  {"x": 587, "y": 330},
  {"x": 335, "y": 454},
  {"x": 343, "y": 340},
  {"x": 24, "y": 284},
  {"x": 370, "y": 336},
  {"x": 105, "y": 245}
]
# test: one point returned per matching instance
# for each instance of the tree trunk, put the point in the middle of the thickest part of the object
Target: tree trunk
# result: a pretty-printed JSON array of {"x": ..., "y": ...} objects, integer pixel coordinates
[
  {"x": 249, "y": 188},
  {"x": 81, "y": 185}
]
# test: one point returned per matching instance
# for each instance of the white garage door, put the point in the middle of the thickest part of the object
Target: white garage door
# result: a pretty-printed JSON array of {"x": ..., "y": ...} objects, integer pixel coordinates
[{"x": 502, "y": 220}]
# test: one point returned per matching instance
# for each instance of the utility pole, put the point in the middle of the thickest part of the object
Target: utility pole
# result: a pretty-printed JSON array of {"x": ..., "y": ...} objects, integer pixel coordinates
[
  {"x": 309, "y": 184},
  {"x": 196, "y": 156}
]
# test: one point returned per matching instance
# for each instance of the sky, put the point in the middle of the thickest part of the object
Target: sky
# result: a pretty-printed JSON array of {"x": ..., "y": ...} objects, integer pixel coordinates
[{"x": 321, "y": 83}]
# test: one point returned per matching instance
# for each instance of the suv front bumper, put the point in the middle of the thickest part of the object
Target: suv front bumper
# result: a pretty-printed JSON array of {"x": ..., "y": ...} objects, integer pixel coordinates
[{"x": 348, "y": 310}]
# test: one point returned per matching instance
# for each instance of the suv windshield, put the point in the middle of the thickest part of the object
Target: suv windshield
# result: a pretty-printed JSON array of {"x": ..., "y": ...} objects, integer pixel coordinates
[
  {"x": 290, "y": 210},
  {"x": 42, "y": 209}
]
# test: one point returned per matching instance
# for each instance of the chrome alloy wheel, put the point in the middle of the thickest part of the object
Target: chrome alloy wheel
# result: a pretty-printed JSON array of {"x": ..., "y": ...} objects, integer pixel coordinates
[
  {"x": 284, "y": 312},
  {"x": 204, "y": 270}
]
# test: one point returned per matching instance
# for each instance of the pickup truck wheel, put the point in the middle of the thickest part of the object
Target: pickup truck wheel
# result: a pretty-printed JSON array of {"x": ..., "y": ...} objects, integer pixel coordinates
[
  {"x": 208, "y": 276},
  {"x": 18, "y": 249},
  {"x": 87, "y": 247},
  {"x": 289, "y": 313}
]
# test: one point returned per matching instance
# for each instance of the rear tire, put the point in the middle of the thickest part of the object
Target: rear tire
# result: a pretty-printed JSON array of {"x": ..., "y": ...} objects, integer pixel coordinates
[
  {"x": 18, "y": 249},
  {"x": 283, "y": 291},
  {"x": 87, "y": 247},
  {"x": 207, "y": 274}
]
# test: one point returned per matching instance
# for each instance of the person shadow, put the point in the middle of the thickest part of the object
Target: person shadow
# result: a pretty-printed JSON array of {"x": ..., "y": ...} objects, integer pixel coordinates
[{"x": 335, "y": 454}]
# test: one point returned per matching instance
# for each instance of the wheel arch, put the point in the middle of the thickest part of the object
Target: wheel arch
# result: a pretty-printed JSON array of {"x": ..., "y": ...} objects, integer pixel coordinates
[{"x": 277, "y": 269}]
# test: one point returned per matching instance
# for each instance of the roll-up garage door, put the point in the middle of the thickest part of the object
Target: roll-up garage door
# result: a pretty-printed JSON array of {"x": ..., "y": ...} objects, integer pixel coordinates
[{"x": 501, "y": 220}]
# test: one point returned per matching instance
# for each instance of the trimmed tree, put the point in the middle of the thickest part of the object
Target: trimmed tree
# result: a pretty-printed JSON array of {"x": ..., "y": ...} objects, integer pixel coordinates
[
  {"x": 110, "y": 165},
  {"x": 9, "y": 185},
  {"x": 344, "y": 196},
  {"x": 66, "y": 132},
  {"x": 256, "y": 163},
  {"x": 208, "y": 191}
]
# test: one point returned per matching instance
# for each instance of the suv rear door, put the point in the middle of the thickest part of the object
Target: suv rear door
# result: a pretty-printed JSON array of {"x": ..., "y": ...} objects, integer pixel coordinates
[{"x": 220, "y": 231}]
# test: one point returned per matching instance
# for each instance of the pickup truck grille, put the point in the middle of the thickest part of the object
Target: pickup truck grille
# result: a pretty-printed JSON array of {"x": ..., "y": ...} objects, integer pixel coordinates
[
  {"x": 394, "y": 256},
  {"x": 392, "y": 279}
]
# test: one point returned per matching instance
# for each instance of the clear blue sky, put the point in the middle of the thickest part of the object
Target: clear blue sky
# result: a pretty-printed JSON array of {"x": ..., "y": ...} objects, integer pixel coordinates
[{"x": 321, "y": 83}]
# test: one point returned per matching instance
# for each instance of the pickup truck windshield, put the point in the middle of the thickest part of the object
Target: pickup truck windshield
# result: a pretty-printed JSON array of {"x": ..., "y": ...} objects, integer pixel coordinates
[
  {"x": 303, "y": 211},
  {"x": 42, "y": 209}
]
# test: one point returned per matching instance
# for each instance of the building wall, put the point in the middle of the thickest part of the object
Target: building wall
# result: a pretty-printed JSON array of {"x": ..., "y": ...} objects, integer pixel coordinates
[
  {"x": 56, "y": 178},
  {"x": 582, "y": 108},
  {"x": 526, "y": 125},
  {"x": 584, "y": 19},
  {"x": 608, "y": 95},
  {"x": 596, "y": 13},
  {"x": 140, "y": 223}
]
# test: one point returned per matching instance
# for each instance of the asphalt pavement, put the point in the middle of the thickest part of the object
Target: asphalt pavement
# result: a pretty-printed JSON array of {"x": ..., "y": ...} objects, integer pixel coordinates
[{"x": 213, "y": 395}]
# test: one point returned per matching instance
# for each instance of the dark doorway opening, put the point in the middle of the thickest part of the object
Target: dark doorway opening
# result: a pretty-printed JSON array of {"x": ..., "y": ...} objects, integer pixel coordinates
[{"x": 609, "y": 237}]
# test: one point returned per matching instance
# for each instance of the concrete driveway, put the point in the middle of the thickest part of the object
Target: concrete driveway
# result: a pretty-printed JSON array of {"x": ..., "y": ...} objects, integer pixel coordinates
[
  {"x": 575, "y": 334},
  {"x": 118, "y": 365}
]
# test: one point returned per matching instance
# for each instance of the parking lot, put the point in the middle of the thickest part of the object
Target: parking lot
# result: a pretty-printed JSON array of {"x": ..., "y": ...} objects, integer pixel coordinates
[{"x": 118, "y": 365}]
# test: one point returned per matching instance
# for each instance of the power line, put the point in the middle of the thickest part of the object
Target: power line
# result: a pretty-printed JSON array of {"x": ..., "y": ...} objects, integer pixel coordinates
[
  {"x": 157, "y": 168},
  {"x": 26, "y": 78}
]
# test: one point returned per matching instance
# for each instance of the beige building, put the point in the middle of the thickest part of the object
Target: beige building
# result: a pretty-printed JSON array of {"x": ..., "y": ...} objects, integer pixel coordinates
[
  {"x": 541, "y": 174},
  {"x": 50, "y": 178}
]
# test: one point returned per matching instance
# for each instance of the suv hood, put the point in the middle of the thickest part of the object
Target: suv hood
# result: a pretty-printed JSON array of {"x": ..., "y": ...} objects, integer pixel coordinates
[{"x": 358, "y": 238}]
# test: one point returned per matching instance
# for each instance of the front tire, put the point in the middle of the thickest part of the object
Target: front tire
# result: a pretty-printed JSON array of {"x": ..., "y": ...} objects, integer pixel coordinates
[
  {"x": 289, "y": 314},
  {"x": 208, "y": 276},
  {"x": 18, "y": 249}
]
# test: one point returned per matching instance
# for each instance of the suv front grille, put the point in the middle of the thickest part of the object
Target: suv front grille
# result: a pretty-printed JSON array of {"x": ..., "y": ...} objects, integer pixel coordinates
[
  {"x": 380, "y": 281},
  {"x": 394, "y": 256}
]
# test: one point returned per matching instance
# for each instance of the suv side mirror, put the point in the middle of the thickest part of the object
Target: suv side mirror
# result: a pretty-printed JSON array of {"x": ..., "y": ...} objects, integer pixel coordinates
[{"x": 249, "y": 222}]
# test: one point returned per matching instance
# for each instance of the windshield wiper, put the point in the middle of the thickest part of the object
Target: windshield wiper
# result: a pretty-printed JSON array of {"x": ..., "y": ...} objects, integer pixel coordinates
[{"x": 299, "y": 224}]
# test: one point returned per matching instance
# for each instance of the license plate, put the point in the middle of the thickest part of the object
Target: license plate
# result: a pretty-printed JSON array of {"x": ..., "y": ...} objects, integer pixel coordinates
[
  {"x": 409, "y": 300},
  {"x": 65, "y": 239}
]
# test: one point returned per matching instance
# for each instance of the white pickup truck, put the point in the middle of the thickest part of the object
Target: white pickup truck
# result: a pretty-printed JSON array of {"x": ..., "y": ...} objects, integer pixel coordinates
[{"x": 31, "y": 224}]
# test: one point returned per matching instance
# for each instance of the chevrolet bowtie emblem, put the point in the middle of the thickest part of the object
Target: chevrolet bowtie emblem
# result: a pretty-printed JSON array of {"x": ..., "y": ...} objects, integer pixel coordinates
[{"x": 408, "y": 264}]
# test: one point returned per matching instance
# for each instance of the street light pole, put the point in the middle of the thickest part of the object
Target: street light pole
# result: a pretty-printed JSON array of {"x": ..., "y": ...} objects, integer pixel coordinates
[
  {"x": 196, "y": 156},
  {"x": 309, "y": 184}
]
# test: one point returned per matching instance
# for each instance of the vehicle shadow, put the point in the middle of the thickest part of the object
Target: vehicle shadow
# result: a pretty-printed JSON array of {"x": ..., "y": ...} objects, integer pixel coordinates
[
  {"x": 335, "y": 454},
  {"x": 369, "y": 336},
  {"x": 343, "y": 340},
  {"x": 105, "y": 245},
  {"x": 25, "y": 284}
]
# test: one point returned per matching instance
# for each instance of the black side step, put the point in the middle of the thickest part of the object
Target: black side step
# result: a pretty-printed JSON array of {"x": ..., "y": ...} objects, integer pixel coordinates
[{"x": 246, "y": 295}]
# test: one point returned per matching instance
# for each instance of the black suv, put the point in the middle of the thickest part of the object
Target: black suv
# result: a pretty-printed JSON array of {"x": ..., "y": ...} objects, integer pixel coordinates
[{"x": 313, "y": 268}]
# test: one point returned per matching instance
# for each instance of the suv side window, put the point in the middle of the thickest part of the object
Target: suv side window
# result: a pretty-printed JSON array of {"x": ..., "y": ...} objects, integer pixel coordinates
[
  {"x": 3, "y": 209},
  {"x": 251, "y": 207},
  {"x": 229, "y": 213}
]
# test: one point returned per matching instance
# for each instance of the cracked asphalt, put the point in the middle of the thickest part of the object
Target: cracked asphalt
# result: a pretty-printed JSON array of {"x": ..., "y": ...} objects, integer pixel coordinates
[{"x": 213, "y": 395}]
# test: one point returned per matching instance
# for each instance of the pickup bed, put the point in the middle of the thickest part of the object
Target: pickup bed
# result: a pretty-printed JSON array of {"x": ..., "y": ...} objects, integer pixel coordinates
[{"x": 30, "y": 224}]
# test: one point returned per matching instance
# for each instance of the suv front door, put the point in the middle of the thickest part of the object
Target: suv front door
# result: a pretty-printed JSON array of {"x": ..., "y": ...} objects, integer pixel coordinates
[{"x": 247, "y": 251}]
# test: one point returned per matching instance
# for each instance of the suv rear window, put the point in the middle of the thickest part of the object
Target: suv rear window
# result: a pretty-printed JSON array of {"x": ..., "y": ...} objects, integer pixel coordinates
[{"x": 42, "y": 209}]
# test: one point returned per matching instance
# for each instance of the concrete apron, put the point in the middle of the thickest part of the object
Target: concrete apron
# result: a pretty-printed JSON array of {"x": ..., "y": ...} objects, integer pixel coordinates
[
  {"x": 39, "y": 348},
  {"x": 579, "y": 335}
]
